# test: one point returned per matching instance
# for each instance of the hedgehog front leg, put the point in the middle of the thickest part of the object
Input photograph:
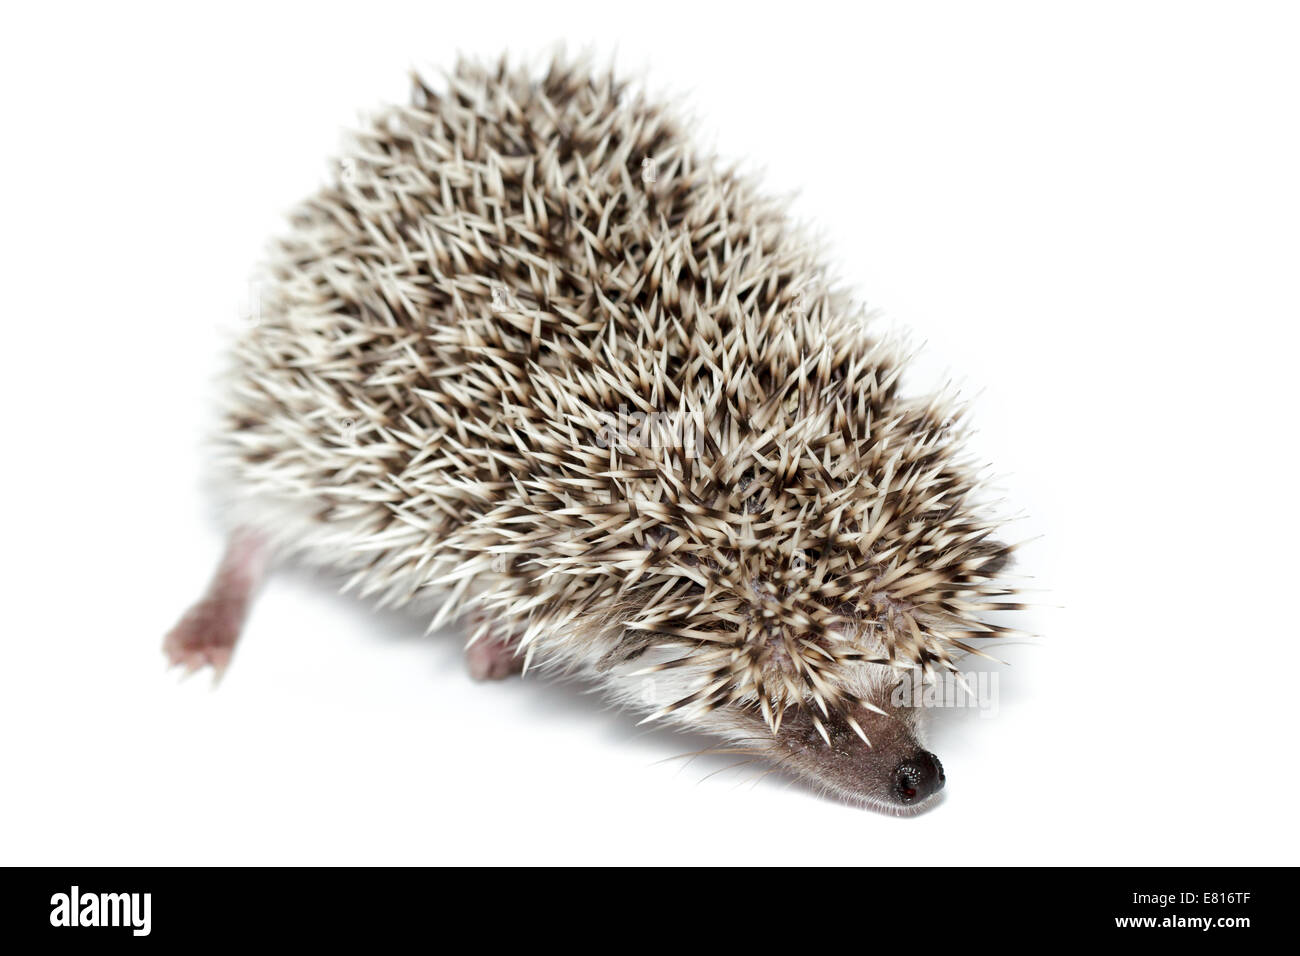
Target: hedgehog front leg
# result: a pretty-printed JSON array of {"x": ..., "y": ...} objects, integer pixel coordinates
[
  {"x": 491, "y": 651},
  {"x": 207, "y": 633}
]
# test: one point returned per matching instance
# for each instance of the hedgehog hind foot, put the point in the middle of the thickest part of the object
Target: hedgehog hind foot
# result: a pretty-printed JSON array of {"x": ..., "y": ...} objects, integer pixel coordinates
[
  {"x": 491, "y": 654},
  {"x": 207, "y": 633}
]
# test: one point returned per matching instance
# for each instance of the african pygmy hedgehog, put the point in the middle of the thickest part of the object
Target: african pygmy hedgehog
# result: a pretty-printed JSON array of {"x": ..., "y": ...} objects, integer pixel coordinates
[{"x": 533, "y": 358}]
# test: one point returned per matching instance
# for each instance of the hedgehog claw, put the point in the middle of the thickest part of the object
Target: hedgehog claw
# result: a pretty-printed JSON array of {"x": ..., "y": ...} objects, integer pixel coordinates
[{"x": 202, "y": 639}]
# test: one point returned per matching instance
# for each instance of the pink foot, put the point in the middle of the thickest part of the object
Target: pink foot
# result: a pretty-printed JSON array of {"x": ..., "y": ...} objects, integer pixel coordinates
[
  {"x": 492, "y": 657},
  {"x": 207, "y": 634}
]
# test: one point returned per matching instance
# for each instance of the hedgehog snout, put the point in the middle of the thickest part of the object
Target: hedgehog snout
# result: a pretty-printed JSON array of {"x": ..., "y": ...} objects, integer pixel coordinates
[{"x": 918, "y": 777}]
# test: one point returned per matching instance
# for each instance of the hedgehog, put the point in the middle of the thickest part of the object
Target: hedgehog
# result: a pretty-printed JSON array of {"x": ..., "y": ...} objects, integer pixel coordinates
[{"x": 533, "y": 362}]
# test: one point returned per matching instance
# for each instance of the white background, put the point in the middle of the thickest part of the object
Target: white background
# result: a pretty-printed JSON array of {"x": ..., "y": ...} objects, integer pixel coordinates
[{"x": 1091, "y": 214}]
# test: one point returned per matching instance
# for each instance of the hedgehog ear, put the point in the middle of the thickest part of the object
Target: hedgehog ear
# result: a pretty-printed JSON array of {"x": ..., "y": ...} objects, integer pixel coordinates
[{"x": 1000, "y": 557}]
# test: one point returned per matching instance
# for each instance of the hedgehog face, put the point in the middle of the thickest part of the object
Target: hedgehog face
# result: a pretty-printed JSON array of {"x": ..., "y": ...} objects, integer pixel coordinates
[
  {"x": 864, "y": 746},
  {"x": 792, "y": 665},
  {"x": 868, "y": 754},
  {"x": 895, "y": 773}
]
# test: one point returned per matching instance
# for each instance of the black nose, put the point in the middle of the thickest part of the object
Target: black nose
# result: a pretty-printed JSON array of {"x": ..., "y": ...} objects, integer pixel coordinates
[{"x": 917, "y": 778}]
